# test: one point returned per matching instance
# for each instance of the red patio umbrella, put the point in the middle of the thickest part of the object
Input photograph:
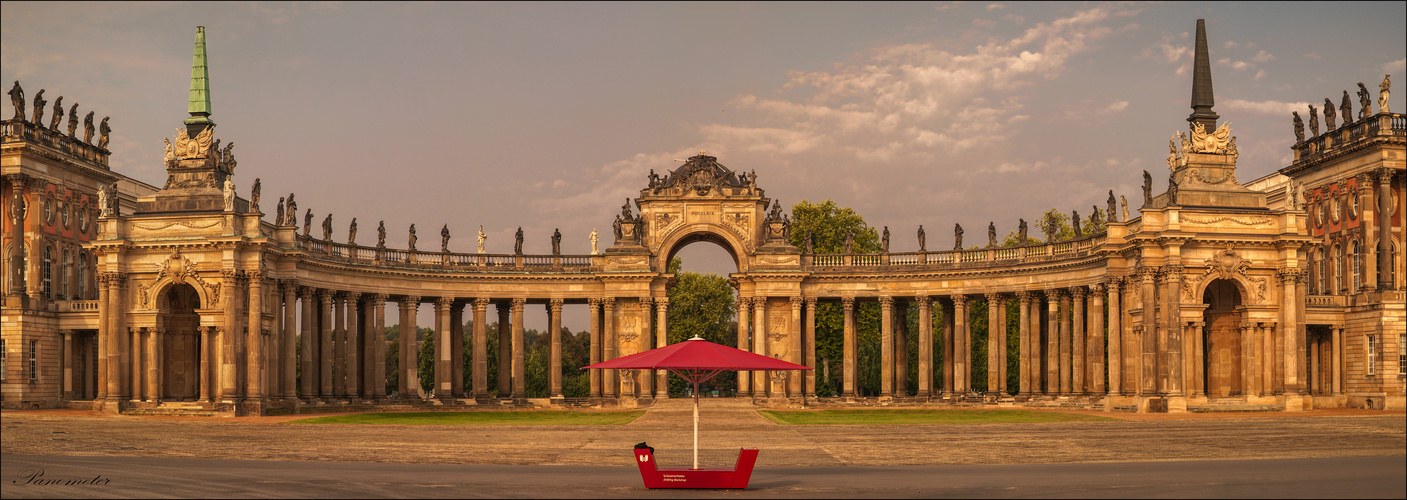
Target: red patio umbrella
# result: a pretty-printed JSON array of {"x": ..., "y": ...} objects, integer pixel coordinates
[{"x": 696, "y": 360}]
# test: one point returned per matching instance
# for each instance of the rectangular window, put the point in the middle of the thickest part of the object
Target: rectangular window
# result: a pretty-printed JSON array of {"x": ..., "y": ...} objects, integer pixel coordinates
[
  {"x": 33, "y": 360},
  {"x": 1372, "y": 355}
]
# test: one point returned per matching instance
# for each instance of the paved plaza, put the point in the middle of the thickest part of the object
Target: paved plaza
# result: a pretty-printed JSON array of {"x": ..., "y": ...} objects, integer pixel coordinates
[{"x": 1218, "y": 450}]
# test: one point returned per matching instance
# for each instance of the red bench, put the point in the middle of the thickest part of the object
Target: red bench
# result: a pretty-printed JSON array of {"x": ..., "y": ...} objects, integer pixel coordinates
[{"x": 684, "y": 477}]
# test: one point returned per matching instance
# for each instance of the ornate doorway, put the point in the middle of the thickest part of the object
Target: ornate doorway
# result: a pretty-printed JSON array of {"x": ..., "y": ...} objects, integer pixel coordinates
[
  {"x": 180, "y": 349},
  {"x": 1223, "y": 339}
]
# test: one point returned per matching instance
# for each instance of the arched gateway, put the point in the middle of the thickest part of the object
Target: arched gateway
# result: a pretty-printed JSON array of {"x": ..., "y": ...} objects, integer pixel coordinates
[{"x": 1135, "y": 317}]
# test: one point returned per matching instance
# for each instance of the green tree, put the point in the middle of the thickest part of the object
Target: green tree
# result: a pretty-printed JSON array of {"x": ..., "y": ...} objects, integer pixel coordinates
[
  {"x": 425, "y": 359},
  {"x": 828, "y": 224},
  {"x": 702, "y": 305},
  {"x": 393, "y": 358}
]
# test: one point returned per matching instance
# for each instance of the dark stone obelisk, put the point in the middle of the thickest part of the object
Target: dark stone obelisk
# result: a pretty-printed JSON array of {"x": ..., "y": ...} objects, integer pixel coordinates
[{"x": 1202, "y": 99}]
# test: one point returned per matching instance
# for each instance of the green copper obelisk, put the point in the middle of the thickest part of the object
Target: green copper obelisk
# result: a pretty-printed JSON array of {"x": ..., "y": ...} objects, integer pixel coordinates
[{"x": 200, "y": 87}]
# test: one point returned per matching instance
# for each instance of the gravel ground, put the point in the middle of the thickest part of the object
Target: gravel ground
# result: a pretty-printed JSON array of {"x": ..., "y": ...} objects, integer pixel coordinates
[{"x": 725, "y": 426}]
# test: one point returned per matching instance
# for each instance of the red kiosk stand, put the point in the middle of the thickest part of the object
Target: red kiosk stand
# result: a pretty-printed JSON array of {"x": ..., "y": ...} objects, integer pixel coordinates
[{"x": 685, "y": 477}]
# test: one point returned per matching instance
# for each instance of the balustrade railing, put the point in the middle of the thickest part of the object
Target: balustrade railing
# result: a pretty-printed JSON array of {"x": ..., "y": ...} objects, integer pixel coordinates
[
  {"x": 1006, "y": 255},
  {"x": 374, "y": 256},
  {"x": 1326, "y": 301}
]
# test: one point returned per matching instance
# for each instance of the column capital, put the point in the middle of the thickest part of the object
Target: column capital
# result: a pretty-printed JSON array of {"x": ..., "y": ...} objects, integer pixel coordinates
[
  {"x": 288, "y": 285},
  {"x": 517, "y": 304},
  {"x": 886, "y": 302},
  {"x": 991, "y": 297},
  {"x": 1025, "y": 296},
  {"x": 1113, "y": 282},
  {"x": 591, "y": 302},
  {"x": 923, "y": 300},
  {"x": 324, "y": 294},
  {"x": 379, "y": 299},
  {"x": 1267, "y": 324},
  {"x": 848, "y": 301},
  {"x": 662, "y": 303},
  {"x": 1056, "y": 293},
  {"x": 795, "y": 302},
  {"x": 1384, "y": 174},
  {"x": 1078, "y": 292},
  {"x": 743, "y": 301},
  {"x": 1247, "y": 324},
  {"x": 306, "y": 292},
  {"x": 555, "y": 305},
  {"x": 1171, "y": 272},
  {"x": 444, "y": 302},
  {"x": 960, "y": 300},
  {"x": 811, "y": 302},
  {"x": 1288, "y": 274},
  {"x": 353, "y": 297},
  {"x": 608, "y": 301},
  {"x": 644, "y": 302},
  {"x": 111, "y": 278},
  {"x": 1097, "y": 288},
  {"x": 410, "y": 300}
]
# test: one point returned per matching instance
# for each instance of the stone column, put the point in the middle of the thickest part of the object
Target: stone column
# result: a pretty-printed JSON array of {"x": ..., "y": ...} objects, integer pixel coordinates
[
  {"x": 378, "y": 332},
  {"x": 609, "y": 388},
  {"x": 308, "y": 384},
  {"x": 886, "y": 346},
  {"x": 949, "y": 349},
  {"x": 152, "y": 364},
  {"x": 810, "y": 389},
  {"x": 661, "y": 340},
  {"x": 794, "y": 378},
  {"x": 519, "y": 351},
  {"x": 849, "y": 357},
  {"x": 644, "y": 379},
  {"x": 354, "y": 352},
  {"x": 254, "y": 358},
  {"x": 444, "y": 390},
  {"x": 554, "y": 363},
  {"x": 481, "y": 355},
  {"x": 1148, "y": 378},
  {"x": 1077, "y": 341},
  {"x": 1198, "y": 355},
  {"x": 1116, "y": 337},
  {"x": 761, "y": 380},
  {"x": 925, "y": 346},
  {"x": 594, "y": 305},
  {"x": 505, "y": 351},
  {"x": 993, "y": 346},
  {"x": 1173, "y": 292},
  {"x": 1270, "y": 359},
  {"x": 1052, "y": 351},
  {"x": 1294, "y": 338},
  {"x": 1250, "y": 367},
  {"x": 962, "y": 347},
  {"x": 1023, "y": 361},
  {"x": 104, "y": 336},
  {"x": 327, "y": 344},
  {"x": 229, "y": 371},
  {"x": 1003, "y": 347},
  {"x": 339, "y": 344},
  {"x": 289, "y": 338},
  {"x": 1337, "y": 349},
  {"x": 744, "y": 340},
  {"x": 456, "y": 351},
  {"x": 118, "y": 355},
  {"x": 1315, "y": 381},
  {"x": 409, "y": 379},
  {"x": 901, "y": 348},
  {"x": 1095, "y": 334},
  {"x": 17, "y": 277},
  {"x": 1384, "y": 229},
  {"x": 66, "y": 359}
]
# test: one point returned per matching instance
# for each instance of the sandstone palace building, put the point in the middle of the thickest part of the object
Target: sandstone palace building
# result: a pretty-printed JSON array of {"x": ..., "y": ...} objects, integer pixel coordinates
[{"x": 1281, "y": 293}]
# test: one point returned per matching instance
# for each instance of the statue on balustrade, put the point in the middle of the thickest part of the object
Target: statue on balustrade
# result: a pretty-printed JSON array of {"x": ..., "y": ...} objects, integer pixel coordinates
[
  {"x": 352, "y": 232},
  {"x": 73, "y": 122},
  {"x": 1172, "y": 191},
  {"x": 58, "y": 114},
  {"x": 104, "y": 204},
  {"x": 1021, "y": 231},
  {"x": 278, "y": 218},
  {"x": 991, "y": 234},
  {"x": 483, "y": 237},
  {"x": 1075, "y": 223},
  {"x": 625, "y": 212},
  {"x": 1365, "y": 108},
  {"x": 381, "y": 235},
  {"x": 1093, "y": 218},
  {"x": 556, "y": 241},
  {"x": 412, "y": 237},
  {"x": 103, "y": 132},
  {"x": 957, "y": 236},
  {"x": 809, "y": 249},
  {"x": 594, "y": 237},
  {"x": 254, "y": 197},
  {"x": 1110, "y": 202},
  {"x": 17, "y": 100},
  {"x": 1328, "y": 115},
  {"x": 922, "y": 239},
  {"x": 1299, "y": 127},
  {"x": 1346, "y": 109},
  {"x": 229, "y": 194},
  {"x": 88, "y": 128},
  {"x": 444, "y": 238},
  {"x": 518, "y": 242},
  {"x": 1124, "y": 207},
  {"x": 227, "y": 158},
  {"x": 849, "y": 240},
  {"x": 1313, "y": 121},
  {"x": 307, "y": 222},
  {"x": 39, "y": 103},
  {"x": 884, "y": 241},
  {"x": 327, "y": 227},
  {"x": 292, "y": 213},
  {"x": 654, "y": 179},
  {"x": 1147, "y": 189},
  {"x": 1383, "y": 93}
]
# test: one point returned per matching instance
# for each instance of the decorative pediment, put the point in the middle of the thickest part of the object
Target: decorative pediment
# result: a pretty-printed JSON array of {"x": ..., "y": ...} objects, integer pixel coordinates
[
  {"x": 700, "y": 175},
  {"x": 179, "y": 269},
  {"x": 1226, "y": 263}
]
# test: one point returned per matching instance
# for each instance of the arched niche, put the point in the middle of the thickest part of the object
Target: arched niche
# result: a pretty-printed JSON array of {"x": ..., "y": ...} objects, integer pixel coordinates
[
  {"x": 1223, "y": 344},
  {"x": 181, "y": 345}
]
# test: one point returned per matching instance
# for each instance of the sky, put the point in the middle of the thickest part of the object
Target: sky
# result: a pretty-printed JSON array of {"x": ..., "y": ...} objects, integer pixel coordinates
[{"x": 549, "y": 115}]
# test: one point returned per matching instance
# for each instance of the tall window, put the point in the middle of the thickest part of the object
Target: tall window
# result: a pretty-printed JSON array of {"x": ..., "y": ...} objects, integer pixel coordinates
[
  {"x": 1372, "y": 356},
  {"x": 33, "y": 360},
  {"x": 65, "y": 273},
  {"x": 1356, "y": 276},
  {"x": 1323, "y": 277},
  {"x": 46, "y": 273},
  {"x": 82, "y": 276},
  {"x": 1334, "y": 270}
]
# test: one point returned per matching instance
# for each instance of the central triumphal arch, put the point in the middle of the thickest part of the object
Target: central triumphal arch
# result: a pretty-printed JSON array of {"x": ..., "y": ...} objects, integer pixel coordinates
[{"x": 1193, "y": 296}]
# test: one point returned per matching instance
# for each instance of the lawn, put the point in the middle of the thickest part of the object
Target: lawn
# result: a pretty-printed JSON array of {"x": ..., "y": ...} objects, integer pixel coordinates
[
  {"x": 482, "y": 418},
  {"x": 872, "y": 417}
]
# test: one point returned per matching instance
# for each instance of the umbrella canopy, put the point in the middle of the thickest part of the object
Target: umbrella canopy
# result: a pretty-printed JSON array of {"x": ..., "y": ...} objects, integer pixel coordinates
[
  {"x": 697, "y": 354},
  {"x": 696, "y": 360}
]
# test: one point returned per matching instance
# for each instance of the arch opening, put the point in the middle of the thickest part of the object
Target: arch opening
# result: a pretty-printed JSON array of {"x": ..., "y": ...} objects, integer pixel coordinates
[
  {"x": 690, "y": 239},
  {"x": 180, "y": 345},
  {"x": 1223, "y": 343}
]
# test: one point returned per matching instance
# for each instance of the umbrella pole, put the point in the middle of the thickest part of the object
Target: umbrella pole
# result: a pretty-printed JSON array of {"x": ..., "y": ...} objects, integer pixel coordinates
[{"x": 696, "y": 422}]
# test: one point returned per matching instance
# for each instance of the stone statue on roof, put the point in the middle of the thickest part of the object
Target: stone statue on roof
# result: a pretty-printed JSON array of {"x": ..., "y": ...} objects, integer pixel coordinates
[
  {"x": 1313, "y": 121},
  {"x": 39, "y": 103},
  {"x": 381, "y": 235},
  {"x": 352, "y": 232},
  {"x": 594, "y": 238},
  {"x": 518, "y": 240},
  {"x": 1383, "y": 93},
  {"x": 58, "y": 114},
  {"x": 103, "y": 132},
  {"x": 278, "y": 217},
  {"x": 957, "y": 236},
  {"x": 412, "y": 237},
  {"x": 482, "y": 237},
  {"x": 73, "y": 121},
  {"x": 922, "y": 239},
  {"x": 327, "y": 227},
  {"x": 1366, "y": 108},
  {"x": 1299, "y": 127},
  {"x": 557, "y": 241},
  {"x": 1328, "y": 115},
  {"x": 991, "y": 234},
  {"x": 1110, "y": 202},
  {"x": 88, "y": 128},
  {"x": 229, "y": 193},
  {"x": 1147, "y": 189},
  {"x": 307, "y": 222},
  {"x": 884, "y": 241},
  {"x": 1346, "y": 109},
  {"x": 1075, "y": 223},
  {"x": 17, "y": 100},
  {"x": 444, "y": 238}
]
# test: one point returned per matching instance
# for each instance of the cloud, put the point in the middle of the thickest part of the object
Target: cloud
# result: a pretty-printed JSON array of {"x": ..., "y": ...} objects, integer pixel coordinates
[
  {"x": 1015, "y": 19},
  {"x": 1167, "y": 51},
  {"x": 1236, "y": 65},
  {"x": 1114, "y": 107},
  {"x": 983, "y": 23},
  {"x": 1395, "y": 66},
  {"x": 1314, "y": 55},
  {"x": 1230, "y": 44},
  {"x": 1267, "y": 107},
  {"x": 995, "y": 6},
  {"x": 1259, "y": 74},
  {"x": 1263, "y": 57}
]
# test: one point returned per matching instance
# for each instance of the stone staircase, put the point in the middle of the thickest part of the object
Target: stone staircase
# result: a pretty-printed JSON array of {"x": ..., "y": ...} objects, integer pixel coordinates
[{"x": 1230, "y": 406}]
